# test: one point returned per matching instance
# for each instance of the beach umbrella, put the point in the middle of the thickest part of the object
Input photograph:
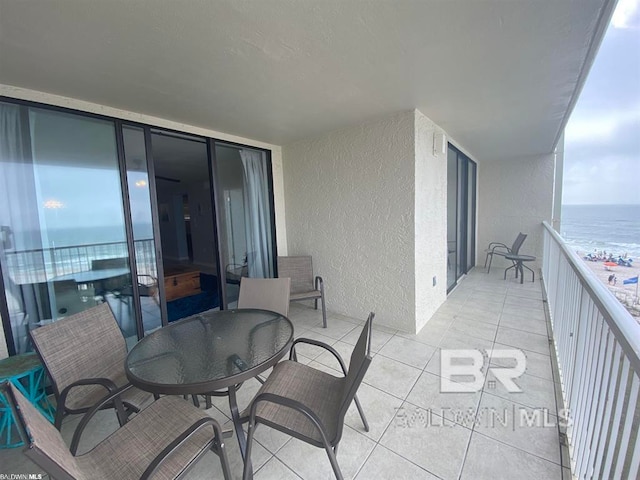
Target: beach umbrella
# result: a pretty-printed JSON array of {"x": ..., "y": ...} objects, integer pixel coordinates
[{"x": 609, "y": 265}]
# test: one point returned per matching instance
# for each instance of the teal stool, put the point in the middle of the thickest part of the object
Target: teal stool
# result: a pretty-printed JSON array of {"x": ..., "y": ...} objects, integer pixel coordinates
[{"x": 26, "y": 372}]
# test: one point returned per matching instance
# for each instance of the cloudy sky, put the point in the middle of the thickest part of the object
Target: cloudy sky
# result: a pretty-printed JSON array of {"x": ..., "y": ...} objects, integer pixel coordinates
[{"x": 602, "y": 138}]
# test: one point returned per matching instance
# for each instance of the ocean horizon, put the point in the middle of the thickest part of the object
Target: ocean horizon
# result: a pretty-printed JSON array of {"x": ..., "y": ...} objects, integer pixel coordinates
[{"x": 612, "y": 229}]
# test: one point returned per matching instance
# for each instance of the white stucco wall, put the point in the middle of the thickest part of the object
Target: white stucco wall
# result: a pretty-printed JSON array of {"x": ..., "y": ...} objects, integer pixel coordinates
[
  {"x": 430, "y": 222},
  {"x": 514, "y": 195},
  {"x": 352, "y": 204},
  {"x": 276, "y": 151}
]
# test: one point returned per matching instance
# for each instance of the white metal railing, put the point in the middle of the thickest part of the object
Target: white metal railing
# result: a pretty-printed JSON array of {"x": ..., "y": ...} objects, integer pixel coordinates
[{"x": 598, "y": 351}]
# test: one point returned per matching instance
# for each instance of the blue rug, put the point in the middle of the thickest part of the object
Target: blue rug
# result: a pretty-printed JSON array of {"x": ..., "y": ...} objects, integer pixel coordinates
[{"x": 186, "y": 306}]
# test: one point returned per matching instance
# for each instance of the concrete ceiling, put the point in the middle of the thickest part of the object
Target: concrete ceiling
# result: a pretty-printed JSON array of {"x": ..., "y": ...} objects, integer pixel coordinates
[{"x": 499, "y": 76}]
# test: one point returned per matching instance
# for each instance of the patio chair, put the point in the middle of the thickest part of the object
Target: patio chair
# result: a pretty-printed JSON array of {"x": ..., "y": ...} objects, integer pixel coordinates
[
  {"x": 496, "y": 248},
  {"x": 310, "y": 404},
  {"x": 303, "y": 284},
  {"x": 147, "y": 287},
  {"x": 262, "y": 293},
  {"x": 265, "y": 293},
  {"x": 235, "y": 271},
  {"x": 110, "y": 285},
  {"x": 147, "y": 284},
  {"x": 84, "y": 355},
  {"x": 162, "y": 441},
  {"x": 68, "y": 298}
]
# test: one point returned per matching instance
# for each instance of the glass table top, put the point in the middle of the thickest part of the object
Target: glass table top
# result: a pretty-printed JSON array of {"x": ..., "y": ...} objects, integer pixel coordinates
[{"x": 209, "y": 351}]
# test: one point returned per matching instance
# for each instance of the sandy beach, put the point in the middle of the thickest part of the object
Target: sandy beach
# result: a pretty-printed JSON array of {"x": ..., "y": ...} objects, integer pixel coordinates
[{"x": 626, "y": 294}]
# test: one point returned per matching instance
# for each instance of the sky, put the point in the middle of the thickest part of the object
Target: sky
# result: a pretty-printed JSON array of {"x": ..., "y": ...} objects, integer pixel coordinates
[{"x": 602, "y": 138}]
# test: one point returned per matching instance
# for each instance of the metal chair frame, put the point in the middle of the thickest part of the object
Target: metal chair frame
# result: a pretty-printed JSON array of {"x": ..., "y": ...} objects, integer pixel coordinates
[
  {"x": 497, "y": 248},
  {"x": 328, "y": 442},
  {"x": 36, "y": 450}
]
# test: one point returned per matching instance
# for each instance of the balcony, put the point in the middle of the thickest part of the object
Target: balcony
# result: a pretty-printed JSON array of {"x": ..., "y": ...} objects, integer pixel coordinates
[
  {"x": 422, "y": 428},
  {"x": 337, "y": 148},
  {"x": 417, "y": 431}
]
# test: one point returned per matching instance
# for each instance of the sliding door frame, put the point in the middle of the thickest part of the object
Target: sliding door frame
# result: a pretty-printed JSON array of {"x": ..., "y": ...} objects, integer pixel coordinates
[
  {"x": 211, "y": 145},
  {"x": 118, "y": 125},
  {"x": 6, "y": 319},
  {"x": 466, "y": 215},
  {"x": 128, "y": 226},
  {"x": 153, "y": 193},
  {"x": 150, "y": 167}
]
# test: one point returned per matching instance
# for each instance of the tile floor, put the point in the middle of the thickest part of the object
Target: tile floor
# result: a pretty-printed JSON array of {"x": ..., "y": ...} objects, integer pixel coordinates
[{"x": 418, "y": 431}]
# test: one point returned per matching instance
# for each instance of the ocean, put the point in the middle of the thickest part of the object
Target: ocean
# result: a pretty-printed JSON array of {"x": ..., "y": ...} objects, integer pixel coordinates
[{"x": 611, "y": 228}]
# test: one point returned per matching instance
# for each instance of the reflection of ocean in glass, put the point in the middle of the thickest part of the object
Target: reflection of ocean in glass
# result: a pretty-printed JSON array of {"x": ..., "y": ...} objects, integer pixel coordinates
[
  {"x": 611, "y": 228},
  {"x": 72, "y": 250},
  {"x": 75, "y": 236}
]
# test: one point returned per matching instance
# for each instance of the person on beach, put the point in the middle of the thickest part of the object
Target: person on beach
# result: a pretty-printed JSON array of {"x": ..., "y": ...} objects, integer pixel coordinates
[{"x": 612, "y": 279}]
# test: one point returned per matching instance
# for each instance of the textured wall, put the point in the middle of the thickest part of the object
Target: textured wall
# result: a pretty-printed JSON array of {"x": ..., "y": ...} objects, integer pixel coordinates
[
  {"x": 350, "y": 204},
  {"x": 514, "y": 196},
  {"x": 430, "y": 222}
]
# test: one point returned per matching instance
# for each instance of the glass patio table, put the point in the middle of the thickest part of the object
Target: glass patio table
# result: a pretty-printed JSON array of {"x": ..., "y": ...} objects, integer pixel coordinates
[
  {"x": 518, "y": 264},
  {"x": 210, "y": 351}
]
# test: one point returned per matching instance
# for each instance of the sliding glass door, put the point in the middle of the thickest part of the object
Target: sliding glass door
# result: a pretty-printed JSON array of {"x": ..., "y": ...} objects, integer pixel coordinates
[
  {"x": 245, "y": 215},
  {"x": 143, "y": 298},
  {"x": 182, "y": 174},
  {"x": 461, "y": 215},
  {"x": 63, "y": 246},
  {"x": 99, "y": 210}
]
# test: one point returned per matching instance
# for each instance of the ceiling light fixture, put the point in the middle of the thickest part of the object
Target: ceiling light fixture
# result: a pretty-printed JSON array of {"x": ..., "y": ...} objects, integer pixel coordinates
[{"x": 53, "y": 204}]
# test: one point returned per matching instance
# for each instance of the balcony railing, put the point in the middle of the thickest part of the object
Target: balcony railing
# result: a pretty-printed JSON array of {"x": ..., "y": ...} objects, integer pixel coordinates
[
  {"x": 598, "y": 352},
  {"x": 43, "y": 265}
]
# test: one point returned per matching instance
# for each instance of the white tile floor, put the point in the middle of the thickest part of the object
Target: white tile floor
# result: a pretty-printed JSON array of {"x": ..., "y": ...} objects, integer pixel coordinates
[{"x": 417, "y": 430}]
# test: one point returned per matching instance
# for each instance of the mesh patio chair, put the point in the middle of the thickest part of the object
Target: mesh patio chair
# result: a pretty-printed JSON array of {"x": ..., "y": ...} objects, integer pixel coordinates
[
  {"x": 84, "y": 355},
  {"x": 147, "y": 284},
  {"x": 68, "y": 298},
  {"x": 147, "y": 287},
  {"x": 110, "y": 285},
  {"x": 162, "y": 441},
  {"x": 310, "y": 404},
  {"x": 265, "y": 293},
  {"x": 304, "y": 286},
  {"x": 496, "y": 248}
]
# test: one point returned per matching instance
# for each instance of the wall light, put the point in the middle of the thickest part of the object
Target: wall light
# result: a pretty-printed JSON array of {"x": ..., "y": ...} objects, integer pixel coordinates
[{"x": 439, "y": 144}]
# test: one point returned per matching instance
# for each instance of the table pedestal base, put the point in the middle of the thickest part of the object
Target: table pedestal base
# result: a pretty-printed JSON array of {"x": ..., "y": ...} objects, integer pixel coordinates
[{"x": 518, "y": 265}]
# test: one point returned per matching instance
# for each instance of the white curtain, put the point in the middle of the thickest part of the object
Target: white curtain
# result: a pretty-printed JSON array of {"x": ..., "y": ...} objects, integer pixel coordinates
[
  {"x": 257, "y": 214},
  {"x": 20, "y": 242}
]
